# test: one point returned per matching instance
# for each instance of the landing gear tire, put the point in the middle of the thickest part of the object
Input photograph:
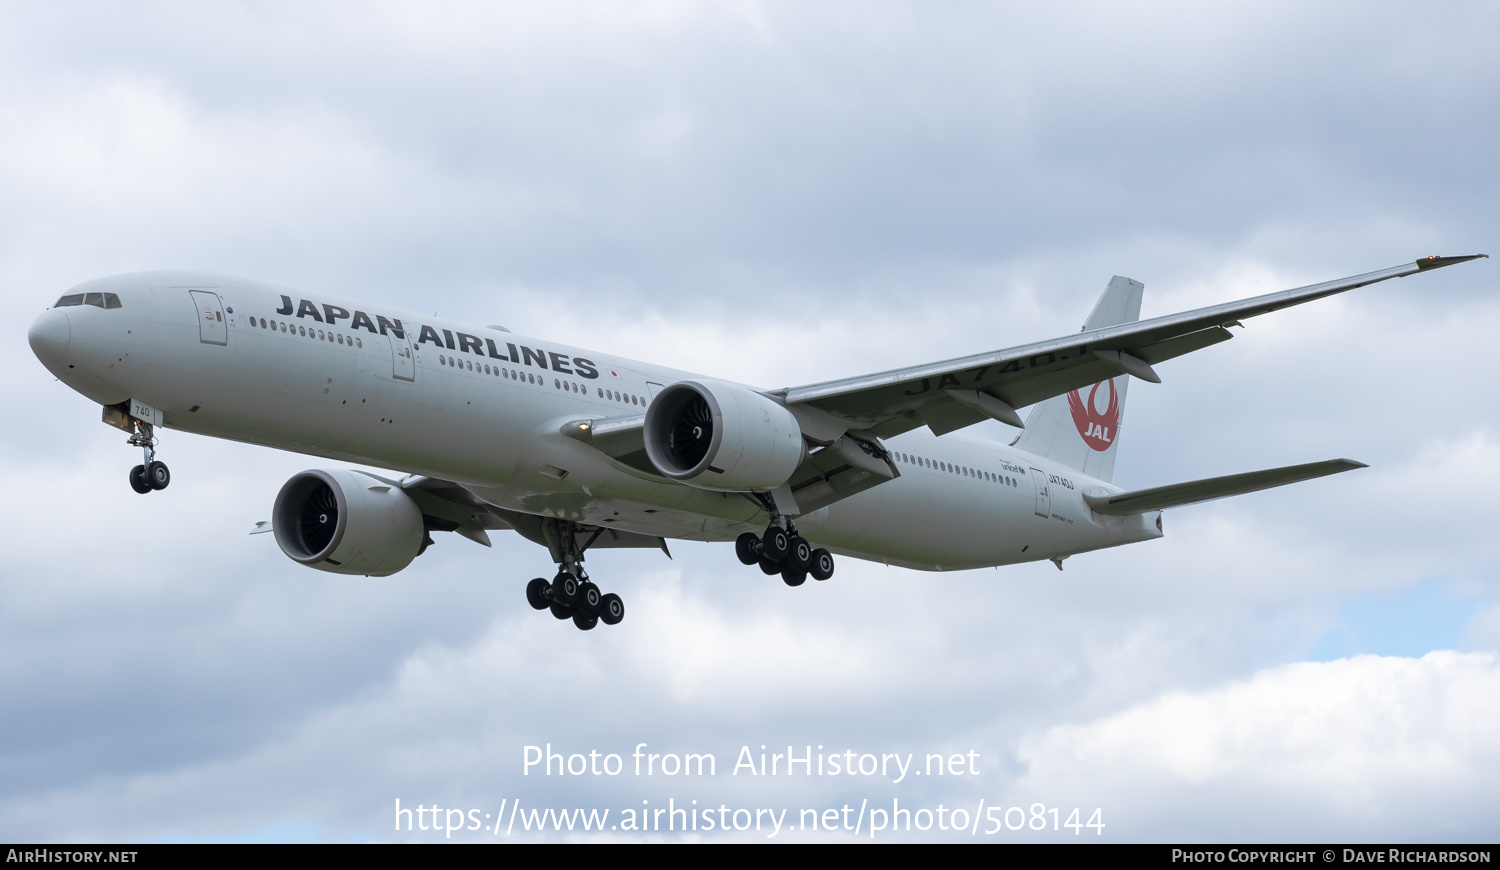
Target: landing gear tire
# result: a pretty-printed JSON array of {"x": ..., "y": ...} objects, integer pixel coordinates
[
  {"x": 138, "y": 481},
  {"x": 799, "y": 554},
  {"x": 611, "y": 609},
  {"x": 776, "y": 543},
  {"x": 539, "y": 594},
  {"x": 157, "y": 475},
  {"x": 768, "y": 567},
  {"x": 748, "y": 548},
  {"x": 565, "y": 589},
  {"x": 571, "y": 594},
  {"x": 793, "y": 576},
  {"x": 822, "y": 564},
  {"x": 588, "y": 601}
]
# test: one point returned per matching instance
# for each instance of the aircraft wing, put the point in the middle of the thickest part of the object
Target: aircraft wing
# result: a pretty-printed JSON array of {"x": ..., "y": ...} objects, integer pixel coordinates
[{"x": 960, "y": 392}]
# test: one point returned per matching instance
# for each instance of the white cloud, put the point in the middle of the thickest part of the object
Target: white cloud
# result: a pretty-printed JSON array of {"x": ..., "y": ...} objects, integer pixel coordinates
[{"x": 1383, "y": 748}]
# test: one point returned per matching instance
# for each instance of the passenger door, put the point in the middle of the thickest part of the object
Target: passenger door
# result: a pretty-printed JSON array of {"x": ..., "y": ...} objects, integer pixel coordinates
[
  {"x": 1043, "y": 492},
  {"x": 212, "y": 328},
  {"x": 403, "y": 366}
]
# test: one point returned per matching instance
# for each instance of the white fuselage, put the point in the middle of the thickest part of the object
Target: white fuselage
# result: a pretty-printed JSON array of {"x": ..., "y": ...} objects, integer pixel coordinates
[{"x": 484, "y": 407}]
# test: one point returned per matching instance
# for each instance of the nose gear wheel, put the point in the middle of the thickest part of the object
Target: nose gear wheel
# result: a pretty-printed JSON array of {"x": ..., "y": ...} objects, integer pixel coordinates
[{"x": 152, "y": 474}]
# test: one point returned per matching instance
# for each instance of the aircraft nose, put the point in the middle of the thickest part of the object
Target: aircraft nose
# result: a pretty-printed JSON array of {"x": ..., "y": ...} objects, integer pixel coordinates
[{"x": 49, "y": 336}]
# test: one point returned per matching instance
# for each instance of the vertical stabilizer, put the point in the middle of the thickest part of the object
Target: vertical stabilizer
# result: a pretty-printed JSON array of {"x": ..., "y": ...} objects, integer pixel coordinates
[{"x": 1081, "y": 429}]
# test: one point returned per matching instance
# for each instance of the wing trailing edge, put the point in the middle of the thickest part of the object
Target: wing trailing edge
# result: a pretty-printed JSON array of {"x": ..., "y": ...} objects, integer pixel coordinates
[{"x": 1177, "y": 494}]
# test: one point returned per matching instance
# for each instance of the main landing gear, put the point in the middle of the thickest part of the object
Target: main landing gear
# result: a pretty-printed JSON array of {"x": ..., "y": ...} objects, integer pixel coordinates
[
  {"x": 782, "y": 551},
  {"x": 151, "y": 474},
  {"x": 571, "y": 594}
]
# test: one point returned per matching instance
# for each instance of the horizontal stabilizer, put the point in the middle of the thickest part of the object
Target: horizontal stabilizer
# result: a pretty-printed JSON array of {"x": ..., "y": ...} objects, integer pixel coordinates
[{"x": 1161, "y": 497}]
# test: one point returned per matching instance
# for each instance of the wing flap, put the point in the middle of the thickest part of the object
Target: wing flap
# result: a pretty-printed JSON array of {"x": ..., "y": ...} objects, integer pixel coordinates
[
  {"x": 1178, "y": 494},
  {"x": 834, "y": 473}
]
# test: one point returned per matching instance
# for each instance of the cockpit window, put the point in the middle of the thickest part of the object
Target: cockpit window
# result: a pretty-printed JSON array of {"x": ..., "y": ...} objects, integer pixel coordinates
[{"x": 98, "y": 300}]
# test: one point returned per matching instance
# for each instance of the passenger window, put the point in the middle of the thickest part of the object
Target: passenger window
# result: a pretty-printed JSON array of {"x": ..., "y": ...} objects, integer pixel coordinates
[{"x": 72, "y": 299}]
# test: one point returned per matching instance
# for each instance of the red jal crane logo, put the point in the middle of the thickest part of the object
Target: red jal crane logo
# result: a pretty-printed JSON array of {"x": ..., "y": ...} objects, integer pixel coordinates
[{"x": 1098, "y": 430}]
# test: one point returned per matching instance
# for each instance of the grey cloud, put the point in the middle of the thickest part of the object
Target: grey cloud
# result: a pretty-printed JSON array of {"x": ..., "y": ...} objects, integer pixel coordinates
[{"x": 775, "y": 193}]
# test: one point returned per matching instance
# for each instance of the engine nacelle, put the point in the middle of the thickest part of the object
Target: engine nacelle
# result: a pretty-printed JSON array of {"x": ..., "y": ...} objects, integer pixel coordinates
[
  {"x": 347, "y": 522},
  {"x": 722, "y": 436}
]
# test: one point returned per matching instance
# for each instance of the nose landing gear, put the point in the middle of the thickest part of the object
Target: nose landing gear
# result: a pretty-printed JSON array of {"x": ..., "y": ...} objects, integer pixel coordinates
[{"x": 153, "y": 473}]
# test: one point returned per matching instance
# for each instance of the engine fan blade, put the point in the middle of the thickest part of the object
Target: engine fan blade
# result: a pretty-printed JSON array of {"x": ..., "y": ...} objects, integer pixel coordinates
[{"x": 319, "y": 520}]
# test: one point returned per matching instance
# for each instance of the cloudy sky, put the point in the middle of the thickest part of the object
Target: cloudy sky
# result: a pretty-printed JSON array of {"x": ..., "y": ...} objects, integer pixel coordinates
[{"x": 776, "y": 193}]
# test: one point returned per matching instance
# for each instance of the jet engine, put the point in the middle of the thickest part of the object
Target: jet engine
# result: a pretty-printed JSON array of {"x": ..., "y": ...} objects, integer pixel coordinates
[
  {"x": 722, "y": 436},
  {"x": 347, "y": 522}
]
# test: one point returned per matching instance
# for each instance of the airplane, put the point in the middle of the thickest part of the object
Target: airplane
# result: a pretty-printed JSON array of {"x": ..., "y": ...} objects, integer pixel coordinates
[{"x": 578, "y": 450}]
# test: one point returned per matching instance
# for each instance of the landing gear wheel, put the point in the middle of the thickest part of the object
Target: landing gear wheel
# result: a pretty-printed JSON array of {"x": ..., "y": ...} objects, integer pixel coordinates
[
  {"x": 157, "y": 475},
  {"x": 748, "y": 548},
  {"x": 588, "y": 599},
  {"x": 799, "y": 555},
  {"x": 561, "y": 611},
  {"x": 138, "y": 481},
  {"x": 769, "y": 568},
  {"x": 565, "y": 589},
  {"x": 583, "y": 622},
  {"x": 776, "y": 543},
  {"x": 539, "y": 594},
  {"x": 822, "y": 564},
  {"x": 611, "y": 609},
  {"x": 792, "y": 576}
]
